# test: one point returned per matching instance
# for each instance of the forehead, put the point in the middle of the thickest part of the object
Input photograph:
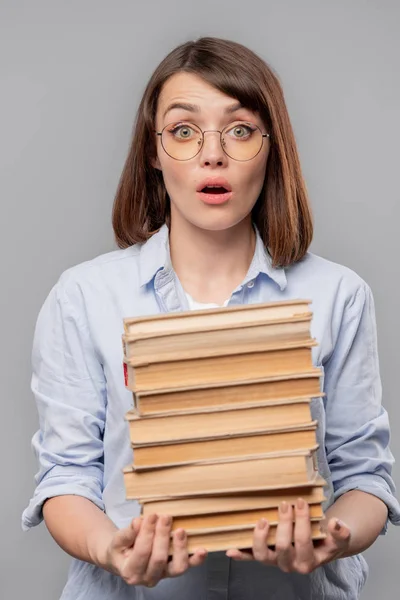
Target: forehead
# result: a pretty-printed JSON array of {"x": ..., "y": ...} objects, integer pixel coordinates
[{"x": 190, "y": 88}]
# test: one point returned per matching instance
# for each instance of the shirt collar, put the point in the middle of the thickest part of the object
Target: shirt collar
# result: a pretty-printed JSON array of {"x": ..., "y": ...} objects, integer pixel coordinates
[
  {"x": 262, "y": 263},
  {"x": 155, "y": 255}
]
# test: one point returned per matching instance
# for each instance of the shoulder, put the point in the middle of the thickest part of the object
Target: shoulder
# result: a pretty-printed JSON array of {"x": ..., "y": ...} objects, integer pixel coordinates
[
  {"x": 326, "y": 278},
  {"x": 322, "y": 269},
  {"x": 107, "y": 270}
]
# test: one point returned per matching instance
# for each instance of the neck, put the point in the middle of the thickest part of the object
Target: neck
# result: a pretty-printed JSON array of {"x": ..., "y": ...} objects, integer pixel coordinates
[{"x": 211, "y": 264}]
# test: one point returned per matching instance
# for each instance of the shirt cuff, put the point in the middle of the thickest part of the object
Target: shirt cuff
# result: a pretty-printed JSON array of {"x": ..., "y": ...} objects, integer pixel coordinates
[{"x": 61, "y": 481}]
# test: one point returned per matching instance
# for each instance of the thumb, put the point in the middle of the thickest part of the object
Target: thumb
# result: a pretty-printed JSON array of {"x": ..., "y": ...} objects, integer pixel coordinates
[
  {"x": 339, "y": 530},
  {"x": 125, "y": 538},
  {"x": 339, "y": 534}
]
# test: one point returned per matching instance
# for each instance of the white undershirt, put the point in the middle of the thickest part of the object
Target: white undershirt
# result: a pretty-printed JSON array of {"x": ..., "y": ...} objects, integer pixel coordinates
[{"x": 194, "y": 305}]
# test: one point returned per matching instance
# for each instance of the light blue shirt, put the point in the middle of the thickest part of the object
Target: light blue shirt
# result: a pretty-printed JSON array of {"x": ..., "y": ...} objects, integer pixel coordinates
[{"x": 83, "y": 441}]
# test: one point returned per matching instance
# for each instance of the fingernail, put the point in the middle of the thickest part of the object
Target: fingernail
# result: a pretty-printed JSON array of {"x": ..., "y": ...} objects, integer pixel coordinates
[
  {"x": 300, "y": 503},
  {"x": 262, "y": 524},
  {"x": 284, "y": 507},
  {"x": 181, "y": 534},
  {"x": 167, "y": 520},
  {"x": 338, "y": 524},
  {"x": 153, "y": 519}
]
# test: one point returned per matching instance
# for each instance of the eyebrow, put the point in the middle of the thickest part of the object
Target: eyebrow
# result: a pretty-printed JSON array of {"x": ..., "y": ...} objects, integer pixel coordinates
[{"x": 194, "y": 108}]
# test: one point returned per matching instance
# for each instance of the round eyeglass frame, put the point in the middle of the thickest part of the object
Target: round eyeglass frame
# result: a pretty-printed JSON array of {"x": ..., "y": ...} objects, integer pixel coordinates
[{"x": 263, "y": 135}]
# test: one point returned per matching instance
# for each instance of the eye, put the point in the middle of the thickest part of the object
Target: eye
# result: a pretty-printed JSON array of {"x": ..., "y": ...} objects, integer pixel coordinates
[
  {"x": 182, "y": 131},
  {"x": 240, "y": 131}
]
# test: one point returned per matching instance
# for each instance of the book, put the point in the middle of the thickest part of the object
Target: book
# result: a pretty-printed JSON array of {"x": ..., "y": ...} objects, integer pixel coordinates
[
  {"x": 220, "y": 340},
  {"x": 231, "y": 392},
  {"x": 212, "y": 350},
  {"x": 141, "y": 376},
  {"x": 311, "y": 493},
  {"x": 221, "y": 428},
  {"x": 236, "y": 518},
  {"x": 214, "y": 422},
  {"x": 198, "y": 320},
  {"x": 241, "y": 538},
  {"x": 282, "y": 487},
  {"x": 299, "y": 437},
  {"x": 209, "y": 477}
]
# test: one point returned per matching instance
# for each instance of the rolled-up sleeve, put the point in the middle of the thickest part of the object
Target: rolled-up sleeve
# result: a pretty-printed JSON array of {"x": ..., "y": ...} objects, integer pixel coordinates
[
  {"x": 69, "y": 388},
  {"x": 357, "y": 425}
]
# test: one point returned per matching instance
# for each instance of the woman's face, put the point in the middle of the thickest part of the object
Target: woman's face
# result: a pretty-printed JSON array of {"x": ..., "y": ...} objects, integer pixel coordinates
[{"x": 187, "y": 99}]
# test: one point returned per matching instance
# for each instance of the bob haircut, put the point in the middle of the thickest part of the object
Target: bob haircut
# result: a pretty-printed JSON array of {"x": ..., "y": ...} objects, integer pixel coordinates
[{"x": 282, "y": 212}]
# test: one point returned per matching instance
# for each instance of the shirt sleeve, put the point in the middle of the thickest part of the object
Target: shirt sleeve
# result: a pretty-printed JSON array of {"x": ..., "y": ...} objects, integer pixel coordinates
[
  {"x": 357, "y": 425},
  {"x": 68, "y": 384}
]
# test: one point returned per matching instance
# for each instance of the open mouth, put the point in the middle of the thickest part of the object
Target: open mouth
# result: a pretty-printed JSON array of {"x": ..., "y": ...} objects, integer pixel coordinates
[
  {"x": 211, "y": 189},
  {"x": 215, "y": 194}
]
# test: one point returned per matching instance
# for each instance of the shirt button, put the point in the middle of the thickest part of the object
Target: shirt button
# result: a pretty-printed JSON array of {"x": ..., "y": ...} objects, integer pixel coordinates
[{"x": 250, "y": 284}]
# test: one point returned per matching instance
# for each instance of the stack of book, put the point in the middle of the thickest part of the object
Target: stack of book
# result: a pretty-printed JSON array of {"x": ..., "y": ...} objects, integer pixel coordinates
[{"x": 221, "y": 428}]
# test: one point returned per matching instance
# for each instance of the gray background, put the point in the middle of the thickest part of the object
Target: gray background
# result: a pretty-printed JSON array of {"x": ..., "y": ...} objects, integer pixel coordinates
[{"x": 71, "y": 76}]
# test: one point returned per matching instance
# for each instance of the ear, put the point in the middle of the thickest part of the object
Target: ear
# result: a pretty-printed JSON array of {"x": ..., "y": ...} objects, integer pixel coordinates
[{"x": 155, "y": 162}]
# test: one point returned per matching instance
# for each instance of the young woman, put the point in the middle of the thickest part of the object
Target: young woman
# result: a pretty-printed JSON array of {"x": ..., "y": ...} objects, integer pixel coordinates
[{"x": 211, "y": 210}]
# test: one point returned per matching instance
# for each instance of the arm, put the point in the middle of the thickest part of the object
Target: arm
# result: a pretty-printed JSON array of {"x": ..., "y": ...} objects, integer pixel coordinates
[
  {"x": 365, "y": 516},
  {"x": 352, "y": 524},
  {"x": 357, "y": 426},
  {"x": 70, "y": 392},
  {"x": 138, "y": 553},
  {"x": 69, "y": 386},
  {"x": 84, "y": 531}
]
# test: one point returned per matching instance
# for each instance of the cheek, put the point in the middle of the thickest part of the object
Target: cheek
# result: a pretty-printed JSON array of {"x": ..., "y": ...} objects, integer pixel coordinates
[
  {"x": 254, "y": 173},
  {"x": 175, "y": 174}
]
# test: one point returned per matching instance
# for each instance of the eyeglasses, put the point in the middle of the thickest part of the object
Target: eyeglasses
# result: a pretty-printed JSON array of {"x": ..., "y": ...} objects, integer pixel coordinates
[{"x": 240, "y": 140}]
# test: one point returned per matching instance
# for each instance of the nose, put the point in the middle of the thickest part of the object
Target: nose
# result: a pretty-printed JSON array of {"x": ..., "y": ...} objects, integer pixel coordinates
[{"x": 211, "y": 154}]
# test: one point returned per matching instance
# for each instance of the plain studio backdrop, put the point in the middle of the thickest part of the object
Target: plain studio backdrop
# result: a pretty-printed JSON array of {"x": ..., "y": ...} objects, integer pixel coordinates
[{"x": 71, "y": 76}]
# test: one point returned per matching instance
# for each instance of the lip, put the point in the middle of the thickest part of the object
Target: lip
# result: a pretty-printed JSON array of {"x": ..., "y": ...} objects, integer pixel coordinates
[
  {"x": 214, "y": 198},
  {"x": 214, "y": 181}
]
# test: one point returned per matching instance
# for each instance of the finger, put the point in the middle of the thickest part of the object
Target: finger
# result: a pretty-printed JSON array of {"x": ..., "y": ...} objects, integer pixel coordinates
[
  {"x": 284, "y": 536},
  {"x": 125, "y": 538},
  {"x": 236, "y": 554},
  {"x": 140, "y": 555},
  {"x": 160, "y": 550},
  {"x": 198, "y": 557},
  {"x": 304, "y": 548},
  {"x": 180, "y": 558},
  {"x": 261, "y": 551}
]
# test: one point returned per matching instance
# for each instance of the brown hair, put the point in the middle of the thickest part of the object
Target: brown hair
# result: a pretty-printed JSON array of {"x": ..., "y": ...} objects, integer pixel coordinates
[{"x": 282, "y": 212}]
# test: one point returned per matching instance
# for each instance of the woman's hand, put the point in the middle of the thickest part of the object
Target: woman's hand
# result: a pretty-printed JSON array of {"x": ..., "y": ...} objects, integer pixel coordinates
[
  {"x": 304, "y": 555},
  {"x": 139, "y": 553}
]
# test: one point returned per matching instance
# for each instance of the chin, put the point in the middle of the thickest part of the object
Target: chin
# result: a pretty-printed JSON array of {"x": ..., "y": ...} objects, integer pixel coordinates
[{"x": 219, "y": 222}]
